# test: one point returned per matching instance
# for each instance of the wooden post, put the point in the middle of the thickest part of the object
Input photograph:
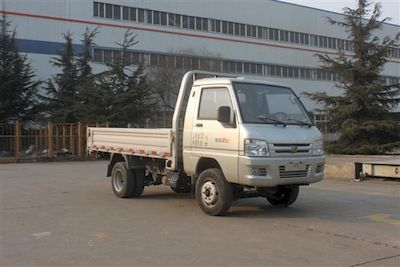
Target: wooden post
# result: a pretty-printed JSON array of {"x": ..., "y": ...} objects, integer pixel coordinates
[
  {"x": 71, "y": 139},
  {"x": 57, "y": 136},
  {"x": 17, "y": 141},
  {"x": 79, "y": 139},
  {"x": 64, "y": 133},
  {"x": 84, "y": 143},
  {"x": 50, "y": 140}
]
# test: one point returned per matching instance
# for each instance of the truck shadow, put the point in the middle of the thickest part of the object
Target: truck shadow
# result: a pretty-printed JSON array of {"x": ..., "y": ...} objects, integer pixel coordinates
[{"x": 312, "y": 203}]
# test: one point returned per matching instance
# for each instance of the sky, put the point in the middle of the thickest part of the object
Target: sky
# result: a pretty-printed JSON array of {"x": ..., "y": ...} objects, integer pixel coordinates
[{"x": 391, "y": 8}]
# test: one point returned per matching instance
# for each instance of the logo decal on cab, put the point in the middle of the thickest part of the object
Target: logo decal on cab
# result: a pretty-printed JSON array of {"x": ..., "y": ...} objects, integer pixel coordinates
[{"x": 222, "y": 140}]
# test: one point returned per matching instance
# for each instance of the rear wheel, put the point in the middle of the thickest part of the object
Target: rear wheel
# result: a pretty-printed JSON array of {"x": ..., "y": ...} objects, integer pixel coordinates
[
  {"x": 122, "y": 180},
  {"x": 126, "y": 183},
  {"x": 139, "y": 182},
  {"x": 284, "y": 196},
  {"x": 213, "y": 193}
]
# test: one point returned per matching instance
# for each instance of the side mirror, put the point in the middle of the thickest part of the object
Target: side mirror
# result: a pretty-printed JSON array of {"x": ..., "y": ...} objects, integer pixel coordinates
[{"x": 224, "y": 114}]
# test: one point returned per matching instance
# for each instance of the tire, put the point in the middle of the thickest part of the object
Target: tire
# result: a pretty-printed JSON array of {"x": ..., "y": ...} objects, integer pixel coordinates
[
  {"x": 122, "y": 180},
  {"x": 183, "y": 186},
  {"x": 139, "y": 182},
  {"x": 214, "y": 194},
  {"x": 285, "y": 196}
]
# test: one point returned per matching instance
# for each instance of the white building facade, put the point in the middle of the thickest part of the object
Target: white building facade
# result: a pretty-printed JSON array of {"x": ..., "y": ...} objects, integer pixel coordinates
[{"x": 262, "y": 39}]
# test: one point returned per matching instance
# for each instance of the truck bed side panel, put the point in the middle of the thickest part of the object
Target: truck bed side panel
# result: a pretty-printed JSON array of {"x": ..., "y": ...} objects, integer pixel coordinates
[{"x": 154, "y": 143}]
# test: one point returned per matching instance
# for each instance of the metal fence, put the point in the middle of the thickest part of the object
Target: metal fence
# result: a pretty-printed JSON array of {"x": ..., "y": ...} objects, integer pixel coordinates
[{"x": 34, "y": 141}]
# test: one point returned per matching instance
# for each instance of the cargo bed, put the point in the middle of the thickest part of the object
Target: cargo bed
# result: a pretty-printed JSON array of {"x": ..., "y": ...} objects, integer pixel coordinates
[{"x": 154, "y": 143}]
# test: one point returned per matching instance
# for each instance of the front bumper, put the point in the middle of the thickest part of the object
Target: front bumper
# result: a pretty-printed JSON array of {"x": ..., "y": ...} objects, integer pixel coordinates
[{"x": 268, "y": 172}]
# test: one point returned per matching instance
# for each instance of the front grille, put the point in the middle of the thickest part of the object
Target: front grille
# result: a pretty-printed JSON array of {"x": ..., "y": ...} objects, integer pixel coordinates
[
  {"x": 291, "y": 148},
  {"x": 283, "y": 173},
  {"x": 320, "y": 168}
]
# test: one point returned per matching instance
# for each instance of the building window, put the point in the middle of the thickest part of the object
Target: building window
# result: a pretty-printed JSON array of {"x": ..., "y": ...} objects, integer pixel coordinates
[
  {"x": 163, "y": 18},
  {"x": 259, "y": 32},
  {"x": 95, "y": 9},
  {"x": 242, "y": 30},
  {"x": 178, "y": 20},
  {"x": 230, "y": 28},
  {"x": 171, "y": 20},
  {"x": 125, "y": 13},
  {"x": 156, "y": 17},
  {"x": 259, "y": 69},
  {"x": 254, "y": 31},
  {"x": 224, "y": 27},
  {"x": 284, "y": 36},
  {"x": 215, "y": 25},
  {"x": 140, "y": 15},
  {"x": 249, "y": 31},
  {"x": 198, "y": 24},
  {"x": 205, "y": 24},
  {"x": 132, "y": 14},
  {"x": 107, "y": 56},
  {"x": 98, "y": 55},
  {"x": 117, "y": 12},
  {"x": 191, "y": 23},
  {"x": 246, "y": 68},
  {"x": 149, "y": 16},
  {"x": 237, "y": 29},
  {"x": 185, "y": 22},
  {"x": 109, "y": 11},
  {"x": 273, "y": 34}
]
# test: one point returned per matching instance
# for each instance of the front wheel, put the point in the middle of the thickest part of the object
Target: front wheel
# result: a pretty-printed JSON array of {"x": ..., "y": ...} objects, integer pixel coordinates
[
  {"x": 213, "y": 193},
  {"x": 284, "y": 196}
]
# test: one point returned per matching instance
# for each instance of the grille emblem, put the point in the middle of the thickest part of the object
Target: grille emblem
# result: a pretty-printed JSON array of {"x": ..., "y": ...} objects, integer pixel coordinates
[{"x": 293, "y": 149}]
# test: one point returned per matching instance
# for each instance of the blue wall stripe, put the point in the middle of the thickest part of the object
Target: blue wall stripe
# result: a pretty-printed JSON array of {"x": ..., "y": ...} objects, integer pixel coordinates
[{"x": 43, "y": 47}]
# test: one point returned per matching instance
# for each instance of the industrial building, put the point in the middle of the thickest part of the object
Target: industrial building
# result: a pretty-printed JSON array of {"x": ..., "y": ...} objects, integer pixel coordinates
[{"x": 263, "y": 39}]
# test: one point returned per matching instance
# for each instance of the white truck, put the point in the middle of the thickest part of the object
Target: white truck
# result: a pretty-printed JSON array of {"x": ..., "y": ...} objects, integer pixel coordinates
[{"x": 231, "y": 138}]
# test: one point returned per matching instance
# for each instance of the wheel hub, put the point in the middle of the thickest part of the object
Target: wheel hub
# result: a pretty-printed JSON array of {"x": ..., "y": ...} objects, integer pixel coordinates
[
  {"x": 209, "y": 193},
  {"x": 118, "y": 181}
]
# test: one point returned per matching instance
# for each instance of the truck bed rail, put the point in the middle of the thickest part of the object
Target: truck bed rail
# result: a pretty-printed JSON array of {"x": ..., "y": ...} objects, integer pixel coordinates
[{"x": 154, "y": 143}]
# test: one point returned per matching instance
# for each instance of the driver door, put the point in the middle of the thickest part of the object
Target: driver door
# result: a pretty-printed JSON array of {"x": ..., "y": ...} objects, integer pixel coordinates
[{"x": 213, "y": 139}]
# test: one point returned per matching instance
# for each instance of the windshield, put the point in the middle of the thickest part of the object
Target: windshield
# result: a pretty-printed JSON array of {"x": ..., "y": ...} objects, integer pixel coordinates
[{"x": 260, "y": 103}]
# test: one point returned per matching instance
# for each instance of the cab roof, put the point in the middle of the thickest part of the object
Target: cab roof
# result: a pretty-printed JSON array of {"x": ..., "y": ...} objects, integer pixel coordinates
[{"x": 230, "y": 80}]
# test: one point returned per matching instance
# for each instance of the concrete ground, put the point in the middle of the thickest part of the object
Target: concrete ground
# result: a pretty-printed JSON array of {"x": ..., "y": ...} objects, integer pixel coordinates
[{"x": 65, "y": 214}]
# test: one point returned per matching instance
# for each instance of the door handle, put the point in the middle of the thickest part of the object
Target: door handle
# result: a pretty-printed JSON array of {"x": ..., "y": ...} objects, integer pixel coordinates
[{"x": 199, "y": 125}]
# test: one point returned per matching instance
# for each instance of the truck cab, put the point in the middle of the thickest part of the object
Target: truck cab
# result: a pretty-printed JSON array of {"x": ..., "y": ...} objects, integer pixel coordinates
[{"x": 258, "y": 132}]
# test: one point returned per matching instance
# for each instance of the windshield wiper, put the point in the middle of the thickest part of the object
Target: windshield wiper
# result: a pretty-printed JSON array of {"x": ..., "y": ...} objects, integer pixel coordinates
[
  {"x": 301, "y": 122},
  {"x": 265, "y": 118}
]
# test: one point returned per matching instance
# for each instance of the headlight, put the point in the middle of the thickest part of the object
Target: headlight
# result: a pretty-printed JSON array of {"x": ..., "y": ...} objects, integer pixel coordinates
[
  {"x": 317, "y": 148},
  {"x": 256, "y": 148}
]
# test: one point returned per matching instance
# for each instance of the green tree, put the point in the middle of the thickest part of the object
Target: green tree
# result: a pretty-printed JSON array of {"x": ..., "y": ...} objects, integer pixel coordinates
[
  {"x": 128, "y": 98},
  {"x": 61, "y": 99},
  {"x": 18, "y": 87},
  {"x": 362, "y": 114},
  {"x": 73, "y": 94},
  {"x": 89, "y": 98}
]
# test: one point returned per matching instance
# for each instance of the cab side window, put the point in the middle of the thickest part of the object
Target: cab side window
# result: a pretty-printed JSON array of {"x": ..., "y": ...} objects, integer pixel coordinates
[{"x": 211, "y": 99}]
